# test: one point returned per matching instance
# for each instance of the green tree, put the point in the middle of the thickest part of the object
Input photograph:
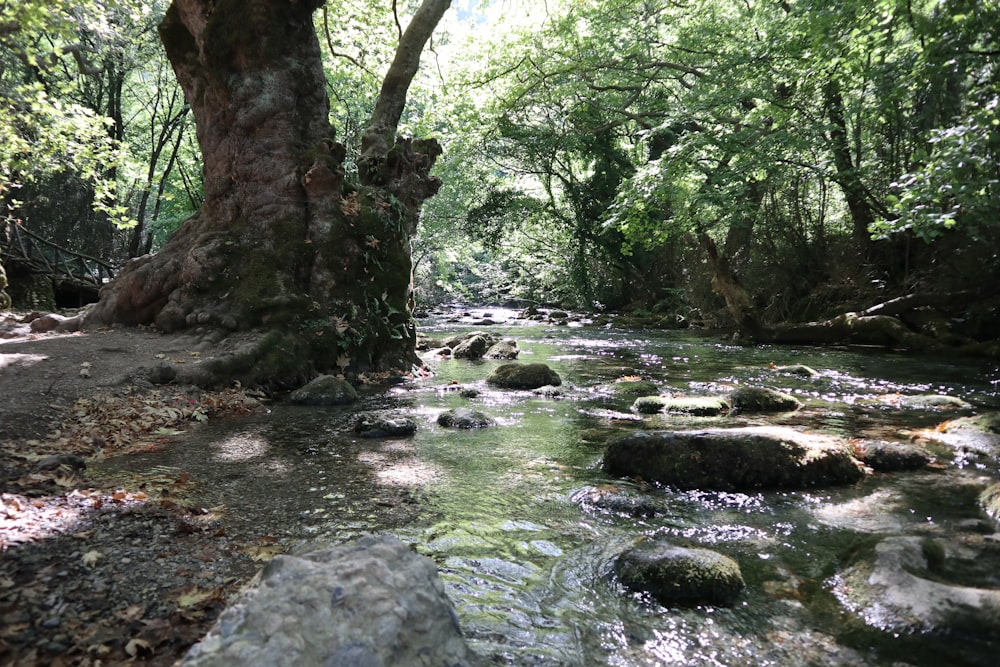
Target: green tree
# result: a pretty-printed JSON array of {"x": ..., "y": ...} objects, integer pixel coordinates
[{"x": 43, "y": 131}]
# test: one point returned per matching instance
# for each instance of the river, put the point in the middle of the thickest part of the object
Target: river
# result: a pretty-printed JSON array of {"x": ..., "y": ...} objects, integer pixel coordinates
[{"x": 528, "y": 564}]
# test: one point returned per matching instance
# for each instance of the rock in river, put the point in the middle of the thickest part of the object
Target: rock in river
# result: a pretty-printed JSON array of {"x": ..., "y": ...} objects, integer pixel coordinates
[
  {"x": 505, "y": 349},
  {"x": 676, "y": 575},
  {"x": 902, "y": 586},
  {"x": 472, "y": 346},
  {"x": 371, "y": 603},
  {"x": 762, "y": 399},
  {"x": 384, "y": 426},
  {"x": 884, "y": 456},
  {"x": 523, "y": 376},
  {"x": 732, "y": 459},
  {"x": 325, "y": 390},
  {"x": 699, "y": 406},
  {"x": 464, "y": 418}
]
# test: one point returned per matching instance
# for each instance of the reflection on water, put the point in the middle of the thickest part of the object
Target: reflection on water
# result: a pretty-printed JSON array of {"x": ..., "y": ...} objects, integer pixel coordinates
[{"x": 528, "y": 564}]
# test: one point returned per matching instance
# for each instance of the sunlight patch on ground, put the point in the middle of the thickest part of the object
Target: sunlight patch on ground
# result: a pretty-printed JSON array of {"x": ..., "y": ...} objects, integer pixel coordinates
[
  {"x": 24, "y": 520},
  {"x": 20, "y": 360},
  {"x": 241, "y": 447}
]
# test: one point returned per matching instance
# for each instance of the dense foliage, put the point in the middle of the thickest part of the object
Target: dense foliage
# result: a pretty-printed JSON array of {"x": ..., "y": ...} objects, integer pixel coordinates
[{"x": 605, "y": 154}]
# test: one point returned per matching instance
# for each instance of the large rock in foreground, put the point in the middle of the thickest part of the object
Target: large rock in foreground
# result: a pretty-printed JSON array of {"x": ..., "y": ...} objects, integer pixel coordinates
[
  {"x": 731, "y": 459},
  {"x": 372, "y": 603},
  {"x": 902, "y": 587},
  {"x": 676, "y": 575},
  {"x": 523, "y": 376}
]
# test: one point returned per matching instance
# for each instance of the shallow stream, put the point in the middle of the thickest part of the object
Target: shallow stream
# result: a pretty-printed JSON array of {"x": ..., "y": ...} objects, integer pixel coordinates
[{"x": 528, "y": 564}]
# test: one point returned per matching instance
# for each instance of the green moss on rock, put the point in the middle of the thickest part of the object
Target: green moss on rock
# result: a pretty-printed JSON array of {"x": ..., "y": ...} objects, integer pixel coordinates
[
  {"x": 699, "y": 406},
  {"x": 675, "y": 575},
  {"x": 762, "y": 399},
  {"x": 523, "y": 376}
]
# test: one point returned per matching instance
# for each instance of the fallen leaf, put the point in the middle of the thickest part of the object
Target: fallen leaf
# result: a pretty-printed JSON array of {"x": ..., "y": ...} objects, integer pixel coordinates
[
  {"x": 91, "y": 557},
  {"x": 137, "y": 648},
  {"x": 194, "y": 597},
  {"x": 132, "y": 613},
  {"x": 263, "y": 553}
]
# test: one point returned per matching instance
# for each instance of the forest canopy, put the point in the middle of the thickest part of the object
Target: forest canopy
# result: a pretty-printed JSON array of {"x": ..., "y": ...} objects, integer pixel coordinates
[{"x": 821, "y": 156}]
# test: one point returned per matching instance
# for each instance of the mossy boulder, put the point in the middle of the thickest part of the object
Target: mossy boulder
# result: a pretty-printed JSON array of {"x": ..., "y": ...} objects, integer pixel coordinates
[
  {"x": 473, "y": 346},
  {"x": 762, "y": 399},
  {"x": 733, "y": 459},
  {"x": 464, "y": 418},
  {"x": 680, "y": 576},
  {"x": 699, "y": 406},
  {"x": 523, "y": 376},
  {"x": 505, "y": 349},
  {"x": 627, "y": 388},
  {"x": 325, "y": 390}
]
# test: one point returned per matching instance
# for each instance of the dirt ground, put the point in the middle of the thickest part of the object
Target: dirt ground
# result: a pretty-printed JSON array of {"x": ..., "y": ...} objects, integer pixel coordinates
[{"x": 93, "y": 572}]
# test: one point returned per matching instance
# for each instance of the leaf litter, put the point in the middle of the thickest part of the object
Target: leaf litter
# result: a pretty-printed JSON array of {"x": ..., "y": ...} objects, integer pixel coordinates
[{"x": 100, "y": 570}]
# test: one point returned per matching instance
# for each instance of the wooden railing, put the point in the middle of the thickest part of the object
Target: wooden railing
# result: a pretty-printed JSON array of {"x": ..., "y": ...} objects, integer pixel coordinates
[{"x": 20, "y": 245}]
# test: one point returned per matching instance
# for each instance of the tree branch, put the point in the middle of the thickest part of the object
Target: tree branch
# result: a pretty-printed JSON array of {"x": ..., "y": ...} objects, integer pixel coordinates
[{"x": 380, "y": 134}]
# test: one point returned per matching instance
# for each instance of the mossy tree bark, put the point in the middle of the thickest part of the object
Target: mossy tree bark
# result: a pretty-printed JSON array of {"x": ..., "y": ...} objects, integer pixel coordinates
[{"x": 282, "y": 244}]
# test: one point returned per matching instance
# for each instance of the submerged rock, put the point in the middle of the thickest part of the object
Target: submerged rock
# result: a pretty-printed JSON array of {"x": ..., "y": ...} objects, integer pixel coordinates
[
  {"x": 762, "y": 399},
  {"x": 731, "y": 459},
  {"x": 892, "y": 456},
  {"x": 699, "y": 406},
  {"x": 675, "y": 575},
  {"x": 523, "y": 376},
  {"x": 372, "y": 603},
  {"x": 384, "y": 426},
  {"x": 900, "y": 586},
  {"x": 325, "y": 390},
  {"x": 796, "y": 369},
  {"x": 933, "y": 402},
  {"x": 613, "y": 499},
  {"x": 464, "y": 418}
]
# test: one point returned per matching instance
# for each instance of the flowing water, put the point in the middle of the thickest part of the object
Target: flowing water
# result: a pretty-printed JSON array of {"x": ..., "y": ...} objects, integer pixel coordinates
[{"x": 528, "y": 564}]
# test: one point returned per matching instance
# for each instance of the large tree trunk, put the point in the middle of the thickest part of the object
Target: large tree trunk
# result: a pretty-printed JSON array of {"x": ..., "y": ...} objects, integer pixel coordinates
[{"x": 282, "y": 244}]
